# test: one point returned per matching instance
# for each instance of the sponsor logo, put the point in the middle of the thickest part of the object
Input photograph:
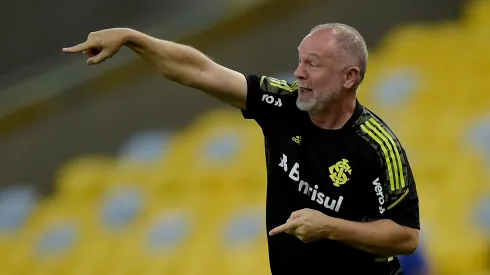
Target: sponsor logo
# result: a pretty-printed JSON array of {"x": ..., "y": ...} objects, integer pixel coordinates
[
  {"x": 379, "y": 193},
  {"x": 271, "y": 100},
  {"x": 308, "y": 190}
]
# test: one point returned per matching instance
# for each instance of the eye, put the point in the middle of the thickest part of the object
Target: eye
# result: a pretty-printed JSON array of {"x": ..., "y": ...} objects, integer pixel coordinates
[
  {"x": 309, "y": 63},
  {"x": 312, "y": 64}
]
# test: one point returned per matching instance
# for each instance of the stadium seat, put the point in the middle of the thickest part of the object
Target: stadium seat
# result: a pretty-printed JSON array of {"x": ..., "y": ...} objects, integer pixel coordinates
[
  {"x": 120, "y": 208},
  {"x": 52, "y": 235},
  {"x": 476, "y": 138},
  {"x": 438, "y": 106},
  {"x": 90, "y": 257},
  {"x": 197, "y": 195},
  {"x": 449, "y": 244},
  {"x": 243, "y": 242},
  {"x": 166, "y": 240},
  {"x": 480, "y": 218},
  {"x": 16, "y": 205},
  {"x": 84, "y": 177},
  {"x": 476, "y": 19},
  {"x": 9, "y": 263},
  {"x": 145, "y": 147},
  {"x": 147, "y": 160},
  {"x": 217, "y": 156}
]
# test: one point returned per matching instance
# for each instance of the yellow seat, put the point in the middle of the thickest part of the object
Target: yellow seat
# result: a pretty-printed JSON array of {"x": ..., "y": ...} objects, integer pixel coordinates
[
  {"x": 217, "y": 118},
  {"x": 84, "y": 177},
  {"x": 476, "y": 19},
  {"x": 213, "y": 150},
  {"x": 90, "y": 257},
  {"x": 216, "y": 156},
  {"x": 129, "y": 181},
  {"x": 214, "y": 169},
  {"x": 50, "y": 238},
  {"x": 164, "y": 239},
  {"x": 457, "y": 255},
  {"x": 9, "y": 263},
  {"x": 447, "y": 98},
  {"x": 240, "y": 243},
  {"x": 404, "y": 36}
]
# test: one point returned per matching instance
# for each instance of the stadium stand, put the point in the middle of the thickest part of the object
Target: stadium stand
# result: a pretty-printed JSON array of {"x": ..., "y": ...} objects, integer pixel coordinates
[
  {"x": 428, "y": 81},
  {"x": 197, "y": 196}
]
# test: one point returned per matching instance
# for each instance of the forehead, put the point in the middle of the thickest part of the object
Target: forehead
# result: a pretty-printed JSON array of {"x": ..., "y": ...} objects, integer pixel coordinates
[{"x": 320, "y": 43}]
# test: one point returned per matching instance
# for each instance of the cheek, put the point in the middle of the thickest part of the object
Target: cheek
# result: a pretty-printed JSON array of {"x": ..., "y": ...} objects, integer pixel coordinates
[{"x": 322, "y": 82}]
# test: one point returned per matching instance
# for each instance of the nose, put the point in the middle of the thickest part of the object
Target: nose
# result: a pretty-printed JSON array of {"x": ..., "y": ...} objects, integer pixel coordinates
[{"x": 299, "y": 73}]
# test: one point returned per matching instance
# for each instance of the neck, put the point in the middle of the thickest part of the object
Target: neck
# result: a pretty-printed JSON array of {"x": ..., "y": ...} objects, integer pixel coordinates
[{"x": 335, "y": 115}]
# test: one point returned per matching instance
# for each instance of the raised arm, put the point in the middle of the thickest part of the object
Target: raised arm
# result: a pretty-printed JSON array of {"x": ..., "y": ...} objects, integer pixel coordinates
[{"x": 176, "y": 62}]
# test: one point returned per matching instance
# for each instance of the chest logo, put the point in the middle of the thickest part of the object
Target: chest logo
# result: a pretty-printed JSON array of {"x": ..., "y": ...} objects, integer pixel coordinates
[{"x": 339, "y": 172}]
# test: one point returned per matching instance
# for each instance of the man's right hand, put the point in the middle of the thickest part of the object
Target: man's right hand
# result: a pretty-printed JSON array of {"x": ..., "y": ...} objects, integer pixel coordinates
[
  {"x": 176, "y": 62},
  {"x": 101, "y": 45}
]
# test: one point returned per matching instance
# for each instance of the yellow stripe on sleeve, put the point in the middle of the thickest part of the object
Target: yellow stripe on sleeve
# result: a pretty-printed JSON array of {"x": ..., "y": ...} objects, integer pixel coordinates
[
  {"x": 390, "y": 151},
  {"x": 388, "y": 162},
  {"x": 399, "y": 199},
  {"x": 398, "y": 158},
  {"x": 262, "y": 81},
  {"x": 281, "y": 84}
]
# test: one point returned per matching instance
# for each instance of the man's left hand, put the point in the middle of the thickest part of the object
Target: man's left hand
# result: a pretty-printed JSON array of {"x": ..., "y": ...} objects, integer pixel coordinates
[{"x": 308, "y": 225}]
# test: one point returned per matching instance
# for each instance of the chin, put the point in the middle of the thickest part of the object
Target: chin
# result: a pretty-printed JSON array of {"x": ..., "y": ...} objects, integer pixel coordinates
[{"x": 306, "y": 106}]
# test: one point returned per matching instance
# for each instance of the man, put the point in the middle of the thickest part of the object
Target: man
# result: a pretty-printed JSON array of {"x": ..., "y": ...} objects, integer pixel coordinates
[{"x": 341, "y": 198}]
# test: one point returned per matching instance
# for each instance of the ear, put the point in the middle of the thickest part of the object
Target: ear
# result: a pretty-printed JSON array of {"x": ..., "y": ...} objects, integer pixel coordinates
[{"x": 351, "y": 76}]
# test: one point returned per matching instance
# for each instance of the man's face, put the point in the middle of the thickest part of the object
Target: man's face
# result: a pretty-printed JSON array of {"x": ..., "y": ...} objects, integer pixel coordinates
[{"x": 319, "y": 72}]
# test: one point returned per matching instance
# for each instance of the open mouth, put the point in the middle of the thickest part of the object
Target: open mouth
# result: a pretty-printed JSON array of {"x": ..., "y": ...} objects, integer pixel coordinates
[{"x": 305, "y": 90}]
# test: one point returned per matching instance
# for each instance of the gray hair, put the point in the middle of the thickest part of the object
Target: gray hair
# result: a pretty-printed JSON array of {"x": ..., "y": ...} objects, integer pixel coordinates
[{"x": 352, "y": 43}]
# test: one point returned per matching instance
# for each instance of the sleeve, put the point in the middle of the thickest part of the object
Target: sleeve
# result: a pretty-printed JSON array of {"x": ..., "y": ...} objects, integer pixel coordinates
[
  {"x": 268, "y": 98},
  {"x": 393, "y": 193}
]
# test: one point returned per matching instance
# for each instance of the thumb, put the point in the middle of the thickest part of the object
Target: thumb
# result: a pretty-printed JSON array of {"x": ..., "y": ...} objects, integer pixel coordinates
[{"x": 295, "y": 215}]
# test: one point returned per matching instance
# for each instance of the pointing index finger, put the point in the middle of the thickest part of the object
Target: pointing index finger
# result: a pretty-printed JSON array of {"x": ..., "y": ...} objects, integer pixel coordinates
[
  {"x": 282, "y": 228},
  {"x": 78, "y": 48}
]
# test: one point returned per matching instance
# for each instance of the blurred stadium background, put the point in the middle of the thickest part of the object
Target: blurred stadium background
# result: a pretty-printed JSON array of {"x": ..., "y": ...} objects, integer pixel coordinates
[{"x": 112, "y": 170}]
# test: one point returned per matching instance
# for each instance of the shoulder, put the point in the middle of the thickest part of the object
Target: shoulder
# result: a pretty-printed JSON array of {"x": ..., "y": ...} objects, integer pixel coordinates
[
  {"x": 387, "y": 153},
  {"x": 269, "y": 99},
  {"x": 272, "y": 85},
  {"x": 379, "y": 139}
]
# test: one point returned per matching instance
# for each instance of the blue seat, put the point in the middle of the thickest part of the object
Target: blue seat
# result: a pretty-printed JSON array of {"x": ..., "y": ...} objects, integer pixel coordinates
[
  {"x": 222, "y": 148},
  {"x": 245, "y": 228},
  {"x": 16, "y": 204},
  {"x": 167, "y": 232},
  {"x": 121, "y": 206},
  {"x": 479, "y": 137},
  {"x": 395, "y": 87},
  {"x": 57, "y": 239},
  {"x": 147, "y": 146},
  {"x": 482, "y": 215}
]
